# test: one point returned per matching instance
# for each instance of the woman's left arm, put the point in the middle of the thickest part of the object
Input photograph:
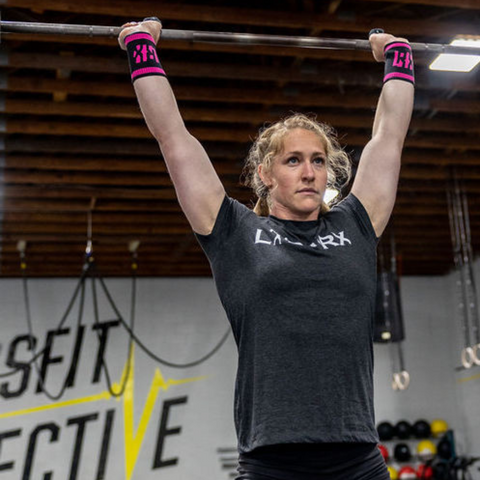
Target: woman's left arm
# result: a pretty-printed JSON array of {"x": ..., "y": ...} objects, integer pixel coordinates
[{"x": 377, "y": 175}]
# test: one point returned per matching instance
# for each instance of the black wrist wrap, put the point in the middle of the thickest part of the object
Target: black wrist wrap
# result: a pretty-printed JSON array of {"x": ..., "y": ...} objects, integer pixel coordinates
[
  {"x": 142, "y": 56},
  {"x": 398, "y": 62}
]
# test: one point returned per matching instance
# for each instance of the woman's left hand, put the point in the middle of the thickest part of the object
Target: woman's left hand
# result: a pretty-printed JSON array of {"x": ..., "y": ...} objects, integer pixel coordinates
[{"x": 378, "y": 42}]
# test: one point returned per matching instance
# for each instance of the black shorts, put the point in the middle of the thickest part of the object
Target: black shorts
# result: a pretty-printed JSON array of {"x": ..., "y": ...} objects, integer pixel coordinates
[{"x": 330, "y": 461}]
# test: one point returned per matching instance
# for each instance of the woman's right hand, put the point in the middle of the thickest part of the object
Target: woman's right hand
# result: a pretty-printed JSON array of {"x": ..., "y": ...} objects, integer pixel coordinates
[
  {"x": 378, "y": 42},
  {"x": 153, "y": 27}
]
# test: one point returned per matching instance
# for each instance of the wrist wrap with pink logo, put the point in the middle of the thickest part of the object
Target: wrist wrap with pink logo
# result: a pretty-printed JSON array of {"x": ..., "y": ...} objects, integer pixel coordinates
[
  {"x": 142, "y": 56},
  {"x": 398, "y": 62}
]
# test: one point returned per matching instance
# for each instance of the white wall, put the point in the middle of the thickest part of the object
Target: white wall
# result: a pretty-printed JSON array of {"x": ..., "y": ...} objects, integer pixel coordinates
[
  {"x": 467, "y": 381},
  {"x": 428, "y": 357},
  {"x": 432, "y": 351},
  {"x": 181, "y": 319}
]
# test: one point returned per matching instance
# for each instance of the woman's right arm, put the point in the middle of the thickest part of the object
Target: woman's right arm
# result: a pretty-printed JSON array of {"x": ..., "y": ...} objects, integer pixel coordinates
[{"x": 197, "y": 185}]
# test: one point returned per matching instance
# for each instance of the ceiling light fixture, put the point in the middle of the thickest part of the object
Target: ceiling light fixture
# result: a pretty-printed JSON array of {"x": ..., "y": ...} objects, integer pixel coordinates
[{"x": 448, "y": 62}]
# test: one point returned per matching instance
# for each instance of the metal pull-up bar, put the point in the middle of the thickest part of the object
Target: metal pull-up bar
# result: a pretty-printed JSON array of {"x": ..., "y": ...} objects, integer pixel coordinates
[{"x": 225, "y": 37}]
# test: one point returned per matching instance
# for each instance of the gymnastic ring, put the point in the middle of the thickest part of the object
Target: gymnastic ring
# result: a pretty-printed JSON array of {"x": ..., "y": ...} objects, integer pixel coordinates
[
  {"x": 467, "y": 357},
  {"x": 401, "y": 380},
  {"x": 476, "y": 351},
  {"x": 394, "y": 382}
]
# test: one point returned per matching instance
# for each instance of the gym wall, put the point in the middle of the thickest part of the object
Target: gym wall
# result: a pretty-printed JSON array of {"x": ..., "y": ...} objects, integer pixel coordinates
[
  {"x": 169, "y": 424},
  {"x": 432, "y": 353},
  {"x": 178, "y": 423},
  {"x": 468, "y": 381}
]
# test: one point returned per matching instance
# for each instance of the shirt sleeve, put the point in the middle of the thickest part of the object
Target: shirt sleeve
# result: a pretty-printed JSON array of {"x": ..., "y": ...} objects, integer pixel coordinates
[
  {"x": 230, "y": 215},
  {"x": 354, "y": 205}
]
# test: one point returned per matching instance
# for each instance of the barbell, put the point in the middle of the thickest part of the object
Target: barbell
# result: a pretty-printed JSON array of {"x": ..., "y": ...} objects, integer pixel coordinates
[{"x": 194, "y": 36}]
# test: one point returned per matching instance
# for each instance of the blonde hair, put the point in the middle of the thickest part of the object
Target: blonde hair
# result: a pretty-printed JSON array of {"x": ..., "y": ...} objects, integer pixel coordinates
[{"x": 269, "y": 144}]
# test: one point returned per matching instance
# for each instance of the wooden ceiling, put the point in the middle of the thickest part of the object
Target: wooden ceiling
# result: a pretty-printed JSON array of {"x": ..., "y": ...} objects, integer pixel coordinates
[{"x": 74, "y": 140}]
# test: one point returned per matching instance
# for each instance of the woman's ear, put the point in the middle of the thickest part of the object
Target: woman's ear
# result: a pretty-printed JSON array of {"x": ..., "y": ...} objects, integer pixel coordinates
[{"x": 264, "y": 176}]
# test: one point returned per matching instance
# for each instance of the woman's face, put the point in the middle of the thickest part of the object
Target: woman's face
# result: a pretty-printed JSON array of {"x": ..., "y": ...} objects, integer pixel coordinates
[{"x": 297, "y": 179}]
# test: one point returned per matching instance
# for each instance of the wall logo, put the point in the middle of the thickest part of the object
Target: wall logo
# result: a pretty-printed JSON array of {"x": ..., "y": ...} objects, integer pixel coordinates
[{"x": 48, "y": 430}]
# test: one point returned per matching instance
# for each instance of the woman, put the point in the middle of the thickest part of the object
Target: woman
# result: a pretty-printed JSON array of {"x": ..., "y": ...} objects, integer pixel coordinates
[{"x": 297, "y": 280}]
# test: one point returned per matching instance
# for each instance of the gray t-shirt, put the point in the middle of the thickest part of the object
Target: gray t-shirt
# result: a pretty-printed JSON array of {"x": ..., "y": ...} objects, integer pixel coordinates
[{"x": 300, "y": 297}]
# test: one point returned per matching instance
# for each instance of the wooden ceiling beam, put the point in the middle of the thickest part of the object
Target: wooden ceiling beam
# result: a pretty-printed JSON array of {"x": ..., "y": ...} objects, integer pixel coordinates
[
  {"x": 72, "y": 164},
  {"x": 464, "y": 4},
  {"x": 98, "y": 218},
  {"x": 20, "y": 229},
  {"x": 242, "y": 194},
  {"x": 246, "y": 16},
  {"x": 437, "y": 142},
  {"x": 51, "y": 173},
  {"x": 202, "y": 114},
  {"x": 409, "y": 200},
  {"x": 238, "y": 135},
  {"x": 410, "y": 160},
  {"x": 42, "y": 162},
  {"x": 69, "y": 249},
  {"x": 411, "y": 172},
  {"x": 81, "y": 129},
  {"x": 73, "y": 205},
  {"x": 75, "y": 63},
  {"x": 160, "y": 194},
  {"x": 71, "y": 87},
  {"x": 434, "y": 187},
  {"x": 103, "y": 258},
  {"x": 80, "y": 178},
  {"x": 440, "y": 158},
  {"x": 428, "y": 201},
  {"x": 119, "y": 148},
  {"x": 290, "y": 97},
  {"x": 114, "y": 239},
  {"x": 70, "y": 192},
  {"x": 312, "y": 73},
  {"x": 19, "y": 106}
]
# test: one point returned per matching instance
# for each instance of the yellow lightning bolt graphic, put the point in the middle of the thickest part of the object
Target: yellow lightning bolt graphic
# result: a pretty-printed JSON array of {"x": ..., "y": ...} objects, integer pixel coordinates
[
  {"x": 51, "y": 406},
  {"x": 468, "y": 379},
  {"x": 133, "y": 440}
]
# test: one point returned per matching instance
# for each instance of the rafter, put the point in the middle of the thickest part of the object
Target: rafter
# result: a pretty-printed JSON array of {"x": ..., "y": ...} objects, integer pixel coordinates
[
  {"x": 73, "y": 131},
  {"x": 245, "y": 16},
  {"x": 290, "y": 97},
  {"x": 465, "y": 4}
]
